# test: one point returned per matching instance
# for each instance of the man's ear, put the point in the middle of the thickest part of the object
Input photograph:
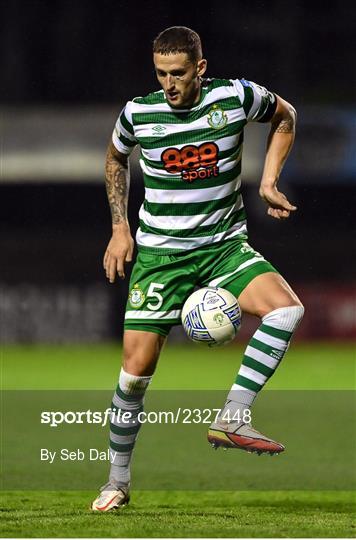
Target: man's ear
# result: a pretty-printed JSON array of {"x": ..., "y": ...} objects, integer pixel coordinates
[{"x": 201, "y": 67}]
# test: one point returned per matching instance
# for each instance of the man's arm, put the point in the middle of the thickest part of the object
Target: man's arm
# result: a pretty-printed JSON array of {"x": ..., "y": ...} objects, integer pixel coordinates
[
  {"x": 120, "y": 247},
  {"x": 279, "y": 144}
]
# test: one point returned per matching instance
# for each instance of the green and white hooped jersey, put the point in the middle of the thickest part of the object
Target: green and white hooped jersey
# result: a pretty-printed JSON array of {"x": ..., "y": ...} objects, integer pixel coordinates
[{"x": 191, "y": 163}]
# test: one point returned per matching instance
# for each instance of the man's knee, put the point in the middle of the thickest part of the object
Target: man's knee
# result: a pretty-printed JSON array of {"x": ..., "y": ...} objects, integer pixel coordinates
[
  {"x": 287, "y": 302},
  {"x": 268, "y": 292},
  {"x": 141, "y": 351},
  {"x": 283, "y": 297},
  {"x": 287, "y": 318}
]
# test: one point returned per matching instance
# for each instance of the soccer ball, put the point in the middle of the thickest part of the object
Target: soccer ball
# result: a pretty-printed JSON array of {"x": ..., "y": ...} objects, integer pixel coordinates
[{"x": 211, "y": 315}]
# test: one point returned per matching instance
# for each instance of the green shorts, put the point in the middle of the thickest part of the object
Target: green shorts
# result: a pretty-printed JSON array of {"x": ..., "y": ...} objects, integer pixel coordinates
[{"x": 160, "y": 284}]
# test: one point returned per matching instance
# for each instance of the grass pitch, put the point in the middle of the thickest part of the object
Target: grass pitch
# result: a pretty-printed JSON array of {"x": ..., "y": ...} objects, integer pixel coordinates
[
  {"x": 315, "y": 366},
  {"x": 182, "y": 514},
  {"x": 173, "y": 513}
]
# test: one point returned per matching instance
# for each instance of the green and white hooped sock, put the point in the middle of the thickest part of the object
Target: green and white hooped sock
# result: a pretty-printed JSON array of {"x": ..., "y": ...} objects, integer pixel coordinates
[
  {"x": 129, "y": 396},
  {"x": 261, "y": 359}
]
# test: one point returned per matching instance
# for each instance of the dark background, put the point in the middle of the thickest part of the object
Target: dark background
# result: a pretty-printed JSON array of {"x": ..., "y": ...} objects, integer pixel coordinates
[
  {"x": 76, "y": 51},
  {"x": 73, "y": 53}
]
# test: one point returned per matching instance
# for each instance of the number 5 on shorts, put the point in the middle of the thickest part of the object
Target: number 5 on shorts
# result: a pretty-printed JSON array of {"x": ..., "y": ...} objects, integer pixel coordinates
[{"x": 153, "y": 293}]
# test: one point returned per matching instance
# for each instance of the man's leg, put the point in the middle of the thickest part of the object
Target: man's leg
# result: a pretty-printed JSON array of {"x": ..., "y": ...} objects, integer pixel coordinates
[
  {"x": 140, "y": 356},
  {"x": 269, "y": 297}
]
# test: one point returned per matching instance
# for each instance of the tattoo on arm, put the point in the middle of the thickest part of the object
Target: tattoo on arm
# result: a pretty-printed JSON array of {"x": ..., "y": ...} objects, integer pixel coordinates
[
  {"x": 287, "y": 124},
  {"x": 117, "y": 187}
]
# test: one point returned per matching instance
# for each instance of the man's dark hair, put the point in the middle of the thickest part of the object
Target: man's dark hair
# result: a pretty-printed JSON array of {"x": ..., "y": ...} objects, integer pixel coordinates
[{"x": 179, "y": 39}]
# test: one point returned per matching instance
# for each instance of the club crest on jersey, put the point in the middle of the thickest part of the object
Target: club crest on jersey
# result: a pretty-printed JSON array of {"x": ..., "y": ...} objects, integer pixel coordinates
[
  {"x": 136, "y": 296},
  {"x": 217, "y": 118}
]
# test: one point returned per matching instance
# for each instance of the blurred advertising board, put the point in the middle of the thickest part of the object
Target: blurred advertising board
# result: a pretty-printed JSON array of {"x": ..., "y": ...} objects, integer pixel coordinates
[{"x": 32, "y": 313}]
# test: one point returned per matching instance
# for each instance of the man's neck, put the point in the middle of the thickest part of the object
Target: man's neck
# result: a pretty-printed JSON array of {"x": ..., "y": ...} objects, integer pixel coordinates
[
  {"x": 195, "y": 101},
  {"x": 198, "y": 94}
]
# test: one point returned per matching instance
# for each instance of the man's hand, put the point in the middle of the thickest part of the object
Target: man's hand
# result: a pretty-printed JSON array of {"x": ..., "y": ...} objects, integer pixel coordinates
[
  {"x": 280, "y": 141},
  {"x": 118, "y": 252},
  {"x": 278, "y": 205}
]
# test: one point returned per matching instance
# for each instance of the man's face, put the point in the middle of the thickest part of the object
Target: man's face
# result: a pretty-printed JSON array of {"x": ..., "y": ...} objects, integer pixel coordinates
[{"x": 179, "y": 77}]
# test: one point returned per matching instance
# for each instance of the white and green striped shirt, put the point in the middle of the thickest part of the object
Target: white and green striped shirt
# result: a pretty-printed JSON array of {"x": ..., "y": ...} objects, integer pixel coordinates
[{"x": 191, "y": 163}]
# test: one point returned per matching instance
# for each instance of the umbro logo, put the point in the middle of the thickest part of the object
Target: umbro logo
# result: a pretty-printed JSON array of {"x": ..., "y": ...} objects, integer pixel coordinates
[
  {"x": 158, "y": 130},
  {"x": 275, "y": 353}
]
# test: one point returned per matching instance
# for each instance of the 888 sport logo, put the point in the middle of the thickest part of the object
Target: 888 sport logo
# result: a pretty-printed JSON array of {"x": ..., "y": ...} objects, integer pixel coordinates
[{"x": 192, "y": 161}]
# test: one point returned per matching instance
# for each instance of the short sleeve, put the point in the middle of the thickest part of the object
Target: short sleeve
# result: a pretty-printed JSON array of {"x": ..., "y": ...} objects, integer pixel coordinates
[
  {"x": 123, "y": 136},
  {"x": 259, "y": 103}
]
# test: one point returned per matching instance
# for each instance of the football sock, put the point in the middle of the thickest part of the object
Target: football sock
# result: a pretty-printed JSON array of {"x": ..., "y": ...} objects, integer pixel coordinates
[
  {"x": 128, "y": 397},
  {"x": 262, "y": 357}
]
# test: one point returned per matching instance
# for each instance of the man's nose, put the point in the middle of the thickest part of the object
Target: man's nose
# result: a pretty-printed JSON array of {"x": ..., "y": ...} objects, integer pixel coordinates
[{"x": 170, "y": 82}]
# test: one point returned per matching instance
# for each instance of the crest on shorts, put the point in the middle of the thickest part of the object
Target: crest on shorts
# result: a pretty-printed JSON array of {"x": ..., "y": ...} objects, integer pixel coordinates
[
  {"x": 136, "y": 296},
  {"x": 217, "y": 118}
]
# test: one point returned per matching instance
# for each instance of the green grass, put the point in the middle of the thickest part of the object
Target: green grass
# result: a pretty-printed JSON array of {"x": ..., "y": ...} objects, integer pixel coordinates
[
  {"x": 309, "y": 366},
  {"x": 254, "y": 513},
  {"x": 182, "y": 514}
]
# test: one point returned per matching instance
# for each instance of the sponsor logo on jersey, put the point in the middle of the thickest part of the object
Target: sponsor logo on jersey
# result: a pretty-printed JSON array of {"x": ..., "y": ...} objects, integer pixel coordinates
[
  {"x": 217, "y": 118},
  {"x": 159, "y": 130},
  {"x": 192, "y": 162},
  {"x": 136, "y": 296}
]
